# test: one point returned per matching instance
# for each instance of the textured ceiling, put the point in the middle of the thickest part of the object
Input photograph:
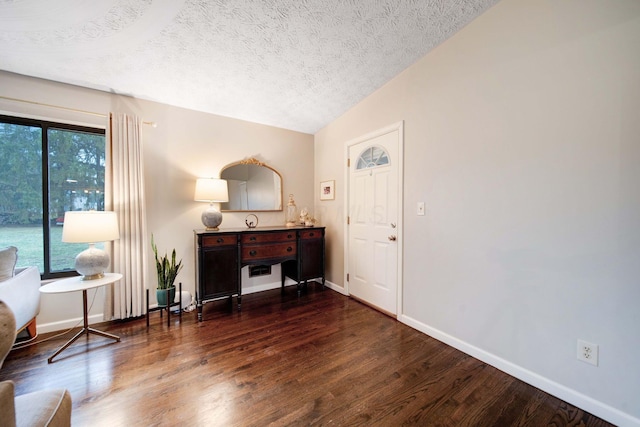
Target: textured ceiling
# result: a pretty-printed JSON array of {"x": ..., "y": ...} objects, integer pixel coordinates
[{"x": 295, "y": 64}]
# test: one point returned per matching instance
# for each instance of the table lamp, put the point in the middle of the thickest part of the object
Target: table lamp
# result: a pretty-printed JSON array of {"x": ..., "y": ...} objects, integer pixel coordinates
[
  {"x": 212, "y": 190},
  {"x": 90, "y": 227}
]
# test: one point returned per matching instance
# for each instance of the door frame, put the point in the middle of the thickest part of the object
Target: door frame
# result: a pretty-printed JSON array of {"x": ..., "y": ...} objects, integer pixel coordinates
[{"x": 399, "y": 127}]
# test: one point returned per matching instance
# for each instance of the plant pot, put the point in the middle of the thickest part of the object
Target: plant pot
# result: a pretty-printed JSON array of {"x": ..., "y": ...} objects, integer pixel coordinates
[{"x": 161, "y": 296}]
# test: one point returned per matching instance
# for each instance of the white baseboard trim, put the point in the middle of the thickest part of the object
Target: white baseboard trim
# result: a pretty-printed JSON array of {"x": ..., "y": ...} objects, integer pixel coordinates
[
  {"x": 61, "y": 325},
  {"x": 337, "y": 288},
  {"x": 246, "y": 290},
  {"x": 288, "y": 282},
  {"x": 567, "y": 394}
]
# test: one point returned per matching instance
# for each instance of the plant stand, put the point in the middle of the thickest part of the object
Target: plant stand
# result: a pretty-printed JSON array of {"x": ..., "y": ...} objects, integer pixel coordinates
[{"x": 161, "y": 308}]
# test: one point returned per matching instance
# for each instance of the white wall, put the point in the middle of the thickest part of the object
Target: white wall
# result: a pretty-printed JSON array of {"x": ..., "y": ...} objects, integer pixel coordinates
[
  {"x": 185, "y": 145},
  {"x": 522, "y": 137}
]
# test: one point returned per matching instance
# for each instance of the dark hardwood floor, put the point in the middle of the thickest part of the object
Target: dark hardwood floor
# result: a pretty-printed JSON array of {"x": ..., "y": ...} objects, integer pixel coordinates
[{"x": 318, "y": 359}]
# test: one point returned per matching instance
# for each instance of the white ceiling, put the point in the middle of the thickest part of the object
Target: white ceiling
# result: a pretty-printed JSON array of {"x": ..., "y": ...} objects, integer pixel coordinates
[{"x": 295, "y": 64}]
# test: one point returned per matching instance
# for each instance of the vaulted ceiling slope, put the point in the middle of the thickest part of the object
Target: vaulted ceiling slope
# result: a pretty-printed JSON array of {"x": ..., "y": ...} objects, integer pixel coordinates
[{"x": 295, "y": 64}]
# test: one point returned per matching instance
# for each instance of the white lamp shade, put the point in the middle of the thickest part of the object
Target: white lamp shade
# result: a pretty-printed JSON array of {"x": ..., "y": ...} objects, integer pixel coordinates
[
  {"x": 211, "y": 190},
  {"x": 90, "y": 227}
]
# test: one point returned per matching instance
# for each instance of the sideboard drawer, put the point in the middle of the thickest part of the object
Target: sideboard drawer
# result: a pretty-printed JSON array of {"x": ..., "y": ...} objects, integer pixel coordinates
[
  {"x": 279, "y": 251},
  {"x": 281, "y": 236},
  {"x": 311, "y": 234},
  {"x": 221, "y": 240}
]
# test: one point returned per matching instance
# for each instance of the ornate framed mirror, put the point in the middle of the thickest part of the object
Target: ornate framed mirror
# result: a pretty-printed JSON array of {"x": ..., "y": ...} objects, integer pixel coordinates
[{"x": 253, "y": 186}]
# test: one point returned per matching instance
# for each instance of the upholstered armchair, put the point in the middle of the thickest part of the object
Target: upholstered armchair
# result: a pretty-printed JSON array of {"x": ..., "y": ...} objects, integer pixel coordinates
[
  {"x": 50, "y": 408},
  {"x": 20, "y": 290},
  {"x": 22, "y": 294}
]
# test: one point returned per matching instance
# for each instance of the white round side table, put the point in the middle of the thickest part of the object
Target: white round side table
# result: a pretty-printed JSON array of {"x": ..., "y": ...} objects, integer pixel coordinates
[{"x": 74, "y": 284}]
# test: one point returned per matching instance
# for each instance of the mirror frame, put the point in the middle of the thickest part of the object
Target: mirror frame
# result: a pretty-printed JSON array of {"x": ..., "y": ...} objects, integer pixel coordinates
[{"x": 255, "y": 162}]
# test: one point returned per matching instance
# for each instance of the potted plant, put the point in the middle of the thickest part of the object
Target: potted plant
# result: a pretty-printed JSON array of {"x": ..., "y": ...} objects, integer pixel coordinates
[{"x": 167, "y": 269}]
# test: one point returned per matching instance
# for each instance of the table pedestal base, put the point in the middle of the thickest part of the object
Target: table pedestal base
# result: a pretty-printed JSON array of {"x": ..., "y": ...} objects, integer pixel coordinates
[{"x": 85, "y": 329}]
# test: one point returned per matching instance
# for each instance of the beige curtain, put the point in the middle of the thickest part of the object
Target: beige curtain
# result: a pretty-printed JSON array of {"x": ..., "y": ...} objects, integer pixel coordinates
[{"x": 130, "y": 252}]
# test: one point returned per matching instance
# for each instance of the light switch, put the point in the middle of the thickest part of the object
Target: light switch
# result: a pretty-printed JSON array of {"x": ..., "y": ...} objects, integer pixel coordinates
[{"x": 420, "y": 208}]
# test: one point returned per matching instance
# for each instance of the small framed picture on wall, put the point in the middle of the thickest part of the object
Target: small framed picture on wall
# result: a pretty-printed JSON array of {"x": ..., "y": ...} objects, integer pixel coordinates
[{"x": 327, "y": 191}]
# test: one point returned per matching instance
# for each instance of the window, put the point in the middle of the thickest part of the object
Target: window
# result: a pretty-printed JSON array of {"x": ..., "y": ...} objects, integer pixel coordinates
[
  {"x": 46, "y": 169},
  {"x": 372, "y": 157}
]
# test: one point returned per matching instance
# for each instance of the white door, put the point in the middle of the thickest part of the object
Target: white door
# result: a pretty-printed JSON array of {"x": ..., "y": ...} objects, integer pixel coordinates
[{"x": 374, "y": 218}]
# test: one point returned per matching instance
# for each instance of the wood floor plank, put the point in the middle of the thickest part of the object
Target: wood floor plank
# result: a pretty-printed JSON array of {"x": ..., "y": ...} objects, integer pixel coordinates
[{"x": 320, "y": 359}]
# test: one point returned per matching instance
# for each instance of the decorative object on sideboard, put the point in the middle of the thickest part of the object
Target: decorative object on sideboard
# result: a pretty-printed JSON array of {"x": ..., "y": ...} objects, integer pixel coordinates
[
  {"x": 167, "y": 269},
  {"x": 292, "y": 212},
  {"x": 306, "y": 218},
  {"x": 251, "y": 221},
  {"x": 90, "y": 227},
  {"x": 212, "y": 190},
  {"x": 304, "y": 215},
  {"x": 327, "y": 190}
]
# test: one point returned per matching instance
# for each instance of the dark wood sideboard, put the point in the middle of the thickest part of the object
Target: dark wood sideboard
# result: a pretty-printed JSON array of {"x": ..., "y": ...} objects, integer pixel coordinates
[{"x": 220, "y": 256}]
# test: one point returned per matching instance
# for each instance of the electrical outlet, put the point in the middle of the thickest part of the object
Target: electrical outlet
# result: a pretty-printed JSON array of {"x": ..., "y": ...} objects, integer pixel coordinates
[
  {"x": 588, "y": 352},
  {"x": 420, "y": 208}
]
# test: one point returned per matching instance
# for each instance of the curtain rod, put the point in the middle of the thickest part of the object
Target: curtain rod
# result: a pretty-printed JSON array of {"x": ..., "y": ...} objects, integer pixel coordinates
[{"x": 91, "y": 113}]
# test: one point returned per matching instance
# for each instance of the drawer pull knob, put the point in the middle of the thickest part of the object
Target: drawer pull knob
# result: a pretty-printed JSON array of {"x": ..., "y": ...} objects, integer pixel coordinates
[
  {"x": 311, "y": 234},
  {"x": 220, "y": 240},
  {"x": 289, "y": 236},
  {"x": 252, "y": 253},
  {"x": 289, "y": 249},
  {"x": 252, "y": 238}
]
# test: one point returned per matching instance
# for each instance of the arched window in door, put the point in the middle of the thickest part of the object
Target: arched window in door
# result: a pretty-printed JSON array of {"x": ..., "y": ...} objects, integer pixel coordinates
[{"x": 371, "y": 157}]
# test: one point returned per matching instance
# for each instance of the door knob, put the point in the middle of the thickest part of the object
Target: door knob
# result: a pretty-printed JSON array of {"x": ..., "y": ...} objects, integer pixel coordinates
[
  {"x": 392, "y": 238},
  {"x": 393, "y": 225}
]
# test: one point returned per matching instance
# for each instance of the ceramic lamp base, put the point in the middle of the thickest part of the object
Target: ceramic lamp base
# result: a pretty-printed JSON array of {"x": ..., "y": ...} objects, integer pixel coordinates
[
  {"x": 211, "y": 218},
  {"x": 92, "y": 262}
]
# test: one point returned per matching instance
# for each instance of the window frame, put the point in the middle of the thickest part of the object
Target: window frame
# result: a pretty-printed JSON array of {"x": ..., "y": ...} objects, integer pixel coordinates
[
  {"x": 367, "y": 164},
  {"x": 45, "y": 125}
]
